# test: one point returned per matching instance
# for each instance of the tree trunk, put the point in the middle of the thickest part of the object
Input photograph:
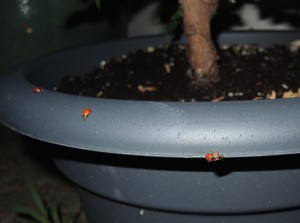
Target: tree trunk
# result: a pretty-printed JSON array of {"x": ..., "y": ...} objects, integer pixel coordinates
[{"x": 201, "y": 51}]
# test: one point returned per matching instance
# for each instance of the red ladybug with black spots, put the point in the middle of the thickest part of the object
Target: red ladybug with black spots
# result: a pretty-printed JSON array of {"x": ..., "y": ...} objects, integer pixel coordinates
[{"x": 214, "y": 156}]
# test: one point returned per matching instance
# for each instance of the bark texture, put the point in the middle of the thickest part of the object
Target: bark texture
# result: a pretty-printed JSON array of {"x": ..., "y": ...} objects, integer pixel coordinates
[{"x": 201, "y": 51}]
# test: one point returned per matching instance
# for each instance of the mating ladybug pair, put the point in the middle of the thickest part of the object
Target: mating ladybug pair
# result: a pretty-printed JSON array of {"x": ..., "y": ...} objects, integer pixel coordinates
[{"x": 214, "y": 156}]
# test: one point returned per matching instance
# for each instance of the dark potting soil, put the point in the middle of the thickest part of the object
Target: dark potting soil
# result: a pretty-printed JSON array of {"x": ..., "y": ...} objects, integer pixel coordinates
[{"x": 158, "y": 73}]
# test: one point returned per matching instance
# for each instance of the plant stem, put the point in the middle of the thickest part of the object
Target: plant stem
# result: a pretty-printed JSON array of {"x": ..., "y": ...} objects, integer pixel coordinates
[{"x": 201, "y": 51}]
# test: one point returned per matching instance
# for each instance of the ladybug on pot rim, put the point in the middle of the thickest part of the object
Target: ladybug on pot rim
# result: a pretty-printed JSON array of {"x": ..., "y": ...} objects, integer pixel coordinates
[
  {"x": 214, "y": 156},
  {"x": 85, "y": 113},
  {"x": 36, "y": 90}
]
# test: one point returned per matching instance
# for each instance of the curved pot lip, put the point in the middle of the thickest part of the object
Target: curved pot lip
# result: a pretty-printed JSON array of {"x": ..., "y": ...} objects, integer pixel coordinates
[{"x": 163, "y": 129}]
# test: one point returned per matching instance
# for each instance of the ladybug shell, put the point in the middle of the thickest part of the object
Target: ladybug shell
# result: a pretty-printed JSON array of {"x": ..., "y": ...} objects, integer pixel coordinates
[
  {"x": 211, "y": 157},
  {"x": 86, "y": 112},
  {"x": 36, "y": 89}
]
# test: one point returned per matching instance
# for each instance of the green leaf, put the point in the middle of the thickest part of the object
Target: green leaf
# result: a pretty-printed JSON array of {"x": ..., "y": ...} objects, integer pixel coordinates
[
  {"x": 54, "y": 214},
  {"x": 31, "y": 213},
  {"x": 175, "y": 18},
  {"x": 98, "y": 4},
  {"x": 69, "y": 219},
  {"x": 39, "y": 202},
  {"x": 71, "y": 216},
  {"x": 173, "y": 24}
]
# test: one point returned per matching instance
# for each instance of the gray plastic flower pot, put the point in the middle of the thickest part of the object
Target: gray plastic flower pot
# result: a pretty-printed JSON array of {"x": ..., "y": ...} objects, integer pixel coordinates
[{"x": 137, "y": 161}]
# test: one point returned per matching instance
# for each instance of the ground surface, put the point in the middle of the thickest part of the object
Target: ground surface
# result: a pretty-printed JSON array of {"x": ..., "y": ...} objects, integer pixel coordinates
[{"x": 23, "y": 164}]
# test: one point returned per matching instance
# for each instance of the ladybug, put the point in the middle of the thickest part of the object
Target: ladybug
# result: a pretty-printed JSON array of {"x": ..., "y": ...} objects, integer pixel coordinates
[
  {"x": 85, "y": 113},
  {"x": 36, "y": 90},
  {"x": 214, "y": 156}
]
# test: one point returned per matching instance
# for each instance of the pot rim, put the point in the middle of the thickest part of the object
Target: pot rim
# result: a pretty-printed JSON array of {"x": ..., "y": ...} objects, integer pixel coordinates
[{"x": 143, "y": 128}]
